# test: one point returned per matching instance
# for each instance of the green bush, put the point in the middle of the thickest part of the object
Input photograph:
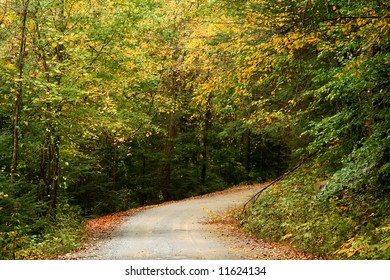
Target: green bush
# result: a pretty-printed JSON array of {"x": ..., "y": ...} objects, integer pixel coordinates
[
  {"x": 351, "y": 227},
  {"x": 60, "y": 236},
  {"x": 24, "y": 238}
]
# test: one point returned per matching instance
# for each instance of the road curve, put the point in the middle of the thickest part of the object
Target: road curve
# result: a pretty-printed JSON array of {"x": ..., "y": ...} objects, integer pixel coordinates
[{"x": 174, "y": 231}]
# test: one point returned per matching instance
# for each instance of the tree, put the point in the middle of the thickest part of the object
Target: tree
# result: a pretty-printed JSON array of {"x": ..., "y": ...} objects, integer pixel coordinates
[{"x": 20, "y": 86}]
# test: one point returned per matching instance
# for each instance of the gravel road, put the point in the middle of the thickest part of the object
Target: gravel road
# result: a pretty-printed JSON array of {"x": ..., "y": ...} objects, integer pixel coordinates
[{"x": 173, "y": 231}]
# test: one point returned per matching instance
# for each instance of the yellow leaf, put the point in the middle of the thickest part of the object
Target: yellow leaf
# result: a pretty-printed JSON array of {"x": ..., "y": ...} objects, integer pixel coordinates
[
  {"x": 288, "y": 235},
  {"x": 385, "y": 246},
  {"x": 9, "y": 66}
]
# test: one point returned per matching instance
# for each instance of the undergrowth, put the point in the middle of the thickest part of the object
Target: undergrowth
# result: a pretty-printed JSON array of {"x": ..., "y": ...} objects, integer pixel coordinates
[
  {"x": 58, "y": 236},
  {"x": 348, "y": 226}
]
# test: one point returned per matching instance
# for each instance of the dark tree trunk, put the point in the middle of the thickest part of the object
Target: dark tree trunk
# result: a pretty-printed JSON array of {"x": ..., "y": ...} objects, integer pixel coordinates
[
  {"x": 246, "y": 156},
  {"x": 19, "y": 92},
  {"x": 207, "y": 122},
  {"x": 168, "y": 152},
  {"x": 54, "y": 158},
  {"x": 50, "y": 150}
]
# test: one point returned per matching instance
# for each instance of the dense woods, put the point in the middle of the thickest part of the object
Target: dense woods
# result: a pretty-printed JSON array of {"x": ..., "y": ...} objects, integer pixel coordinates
[{"x": 108, "y": 105}]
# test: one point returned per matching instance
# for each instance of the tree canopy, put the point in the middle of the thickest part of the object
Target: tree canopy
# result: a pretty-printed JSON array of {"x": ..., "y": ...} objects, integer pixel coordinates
[{"x": 107, "y": 105}]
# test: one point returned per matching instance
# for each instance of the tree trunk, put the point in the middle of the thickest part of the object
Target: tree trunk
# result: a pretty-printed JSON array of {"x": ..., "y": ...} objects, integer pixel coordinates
[
  {"x": 173, "y": 87},
  {"x": 246, "y": 156},
  {"x": 168, "y": 152},
  {"x": 114, "y": 170},
  {"x": 19, "y": 92},
  {"x": 50, "y": 150},
  {"x": 207, "y": 122},
  {"x": 54, "y": 158}
]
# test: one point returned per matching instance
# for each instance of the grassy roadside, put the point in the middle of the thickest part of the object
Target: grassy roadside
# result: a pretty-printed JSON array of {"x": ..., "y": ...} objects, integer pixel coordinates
[{"x": 346, "y": 227}]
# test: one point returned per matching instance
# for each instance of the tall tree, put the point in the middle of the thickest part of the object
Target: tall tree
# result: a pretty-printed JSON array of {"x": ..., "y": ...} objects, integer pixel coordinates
[{"x": 23, "y": 14}]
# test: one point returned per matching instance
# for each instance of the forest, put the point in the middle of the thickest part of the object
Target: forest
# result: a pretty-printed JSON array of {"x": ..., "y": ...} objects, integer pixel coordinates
[{"x": 107, "y": 105}]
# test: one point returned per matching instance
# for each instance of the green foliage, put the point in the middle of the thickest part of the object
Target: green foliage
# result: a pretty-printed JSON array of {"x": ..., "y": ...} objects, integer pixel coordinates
[
  {"x": 10, "y": 240},
  {"x": 63, "y": 235},
  {"x": 43, "y": 238},
  {"x": 10, "y": 243},
  {"x": 349, "y": 228},
  {"x": 127, "y": 103},
  {"x": 335, "y": 78}
]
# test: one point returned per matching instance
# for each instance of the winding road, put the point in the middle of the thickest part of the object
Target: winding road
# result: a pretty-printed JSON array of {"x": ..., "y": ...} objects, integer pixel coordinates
[{"x": 174, "y": 231}]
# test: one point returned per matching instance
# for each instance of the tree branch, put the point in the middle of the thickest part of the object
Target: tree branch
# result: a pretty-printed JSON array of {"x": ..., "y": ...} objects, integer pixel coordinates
[{"x": 255, "y": 197}]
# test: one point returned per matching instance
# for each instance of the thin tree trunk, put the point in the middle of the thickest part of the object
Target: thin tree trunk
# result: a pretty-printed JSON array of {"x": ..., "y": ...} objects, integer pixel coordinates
[
  {"x": 142, "y": 197},
  {"x": 246, "y": 157},
  {"x": 54, "y": 171},
  {"x": 114, "y": 171},
  {"x": 19, "y": 93},
  {"x": 50, "y": 152},
  {"x": 206, "y": 129},
  {"x": 173, "y": 87},
  {"x": 168, "y": 151}
]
